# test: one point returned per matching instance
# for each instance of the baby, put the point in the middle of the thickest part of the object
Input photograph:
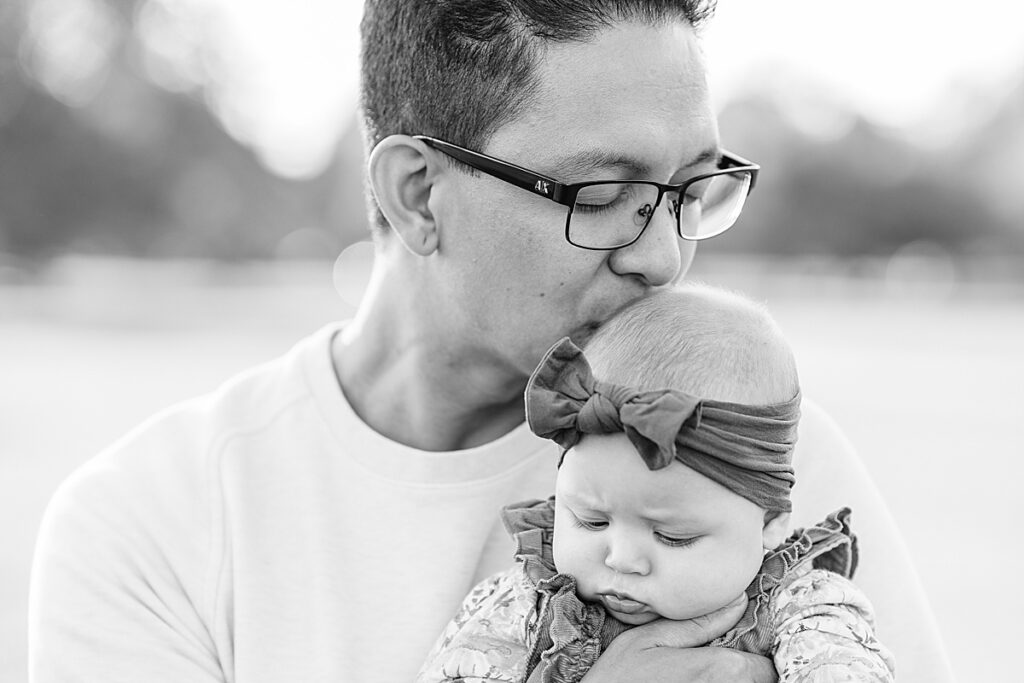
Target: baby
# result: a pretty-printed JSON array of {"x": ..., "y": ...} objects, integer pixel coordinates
[{"x": 672, "y": 502}]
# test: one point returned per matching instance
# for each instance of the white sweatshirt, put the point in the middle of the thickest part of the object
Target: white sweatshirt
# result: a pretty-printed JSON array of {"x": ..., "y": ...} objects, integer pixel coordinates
[{"x": 264, "y": 533}]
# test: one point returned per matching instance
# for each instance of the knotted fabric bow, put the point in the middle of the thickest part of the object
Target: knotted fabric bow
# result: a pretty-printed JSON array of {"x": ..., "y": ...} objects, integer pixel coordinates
[{"x": 746, "y": 448}]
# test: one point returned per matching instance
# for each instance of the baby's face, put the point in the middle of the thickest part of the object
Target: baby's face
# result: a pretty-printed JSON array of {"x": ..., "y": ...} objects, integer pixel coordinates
[{"x": 669, "y": 543}]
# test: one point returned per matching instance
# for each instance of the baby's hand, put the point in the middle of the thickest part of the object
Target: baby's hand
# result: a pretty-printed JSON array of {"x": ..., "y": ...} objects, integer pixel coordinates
[{"x": 693, "y": 632}]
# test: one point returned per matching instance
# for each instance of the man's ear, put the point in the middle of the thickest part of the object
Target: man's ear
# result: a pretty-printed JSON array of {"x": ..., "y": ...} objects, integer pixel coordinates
[
  {"x": 401, "y": 174},
  {"x": 776, "y": 529}
]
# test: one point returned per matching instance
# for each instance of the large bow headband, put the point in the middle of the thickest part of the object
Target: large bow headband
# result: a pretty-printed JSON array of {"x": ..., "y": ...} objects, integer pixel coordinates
[{"x": 748, "y": 449}]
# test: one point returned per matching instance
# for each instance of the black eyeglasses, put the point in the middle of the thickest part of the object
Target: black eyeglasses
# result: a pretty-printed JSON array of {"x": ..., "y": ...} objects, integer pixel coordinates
[{"x": 611, "y": 214}]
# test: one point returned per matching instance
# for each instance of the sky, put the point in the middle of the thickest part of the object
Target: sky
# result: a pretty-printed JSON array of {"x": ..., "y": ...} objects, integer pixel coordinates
[
  {"x": 892, "y": 66},
  {"x": 288, "y": 84}
]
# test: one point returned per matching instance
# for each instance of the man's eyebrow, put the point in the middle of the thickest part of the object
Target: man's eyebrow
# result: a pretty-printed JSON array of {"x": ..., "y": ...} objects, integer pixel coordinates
[
  {"x": 588, "y": 161},
  {"x": 709, "y": 154}
]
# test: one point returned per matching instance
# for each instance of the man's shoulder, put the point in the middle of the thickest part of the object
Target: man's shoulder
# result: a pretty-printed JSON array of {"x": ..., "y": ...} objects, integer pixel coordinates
[
  {"x": 176, "y": 448},
  {"x": 150, "y": 519},
  {"x": 818, "y": 429}
]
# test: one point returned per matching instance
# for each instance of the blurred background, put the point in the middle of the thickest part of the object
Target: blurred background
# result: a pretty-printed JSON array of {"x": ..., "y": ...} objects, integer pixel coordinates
[{"x": 181, "y": 197}]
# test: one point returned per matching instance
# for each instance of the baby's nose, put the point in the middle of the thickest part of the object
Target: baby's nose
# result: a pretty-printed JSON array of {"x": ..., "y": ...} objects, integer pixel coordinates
[{"x": 625, "y": 557}]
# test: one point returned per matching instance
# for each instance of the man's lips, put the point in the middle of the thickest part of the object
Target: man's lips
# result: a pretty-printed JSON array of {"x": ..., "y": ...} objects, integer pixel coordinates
[
  {"x": 582, "y": 334},
  {"x": 623, "y": 603}
]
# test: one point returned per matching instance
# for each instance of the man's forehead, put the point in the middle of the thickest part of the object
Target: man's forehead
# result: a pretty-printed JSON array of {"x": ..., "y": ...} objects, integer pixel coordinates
[
  {"x": 635, "y": 97},
  {"x": 663, "y": 59}
]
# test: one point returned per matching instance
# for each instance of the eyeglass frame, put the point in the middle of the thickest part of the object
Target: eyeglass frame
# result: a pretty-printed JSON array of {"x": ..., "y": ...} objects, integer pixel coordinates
[{"x": 566, "y": 193}]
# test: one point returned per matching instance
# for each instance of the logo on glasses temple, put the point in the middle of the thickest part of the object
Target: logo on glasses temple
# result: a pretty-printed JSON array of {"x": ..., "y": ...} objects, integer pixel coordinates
[{"x": 542, "y": 187}]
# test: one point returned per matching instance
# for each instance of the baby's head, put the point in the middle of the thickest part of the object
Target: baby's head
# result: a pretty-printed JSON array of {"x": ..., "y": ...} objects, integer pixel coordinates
[
  {"x": 698, "y": 339},
  {"x": 672, "y": 541}
]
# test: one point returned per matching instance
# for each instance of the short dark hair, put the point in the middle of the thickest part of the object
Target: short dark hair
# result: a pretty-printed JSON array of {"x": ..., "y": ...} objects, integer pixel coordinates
[{"x": 459, "y": 69}]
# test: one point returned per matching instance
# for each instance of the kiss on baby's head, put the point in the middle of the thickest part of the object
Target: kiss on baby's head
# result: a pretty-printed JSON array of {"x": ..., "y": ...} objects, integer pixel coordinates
[
  {"x": 672, "y": 502},
  {"x": 705, "y": 341},
  {"x": 679, "y": 421}
]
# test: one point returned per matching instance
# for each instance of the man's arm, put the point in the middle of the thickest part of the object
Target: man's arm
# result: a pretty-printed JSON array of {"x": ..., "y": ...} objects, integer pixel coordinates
[
  {"x": 119, "y": 587},
  {"x": 831, "y": 475}
]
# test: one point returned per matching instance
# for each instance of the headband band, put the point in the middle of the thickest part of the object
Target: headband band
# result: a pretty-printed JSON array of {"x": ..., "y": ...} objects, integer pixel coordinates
[{"x": 748, "y": 449}]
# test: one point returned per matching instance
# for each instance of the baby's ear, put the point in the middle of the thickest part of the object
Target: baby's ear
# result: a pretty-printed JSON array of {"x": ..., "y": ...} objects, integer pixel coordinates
[{"x": 776, "y": 529}]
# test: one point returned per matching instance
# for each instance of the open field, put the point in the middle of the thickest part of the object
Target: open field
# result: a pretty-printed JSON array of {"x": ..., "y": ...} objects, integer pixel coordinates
[{"x": 930, "y": 387}]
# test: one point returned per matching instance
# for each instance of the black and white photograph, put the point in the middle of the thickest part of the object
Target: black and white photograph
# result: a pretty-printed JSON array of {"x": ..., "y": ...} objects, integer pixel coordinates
[{"x": 562, "y": 341}]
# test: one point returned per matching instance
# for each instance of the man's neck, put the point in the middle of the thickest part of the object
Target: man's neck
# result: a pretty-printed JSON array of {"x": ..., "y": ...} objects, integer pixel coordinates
[{"x": 410, "y": 381}]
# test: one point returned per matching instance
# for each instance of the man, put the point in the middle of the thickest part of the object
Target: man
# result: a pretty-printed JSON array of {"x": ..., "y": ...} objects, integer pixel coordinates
[{"x": 320, "y": 518}]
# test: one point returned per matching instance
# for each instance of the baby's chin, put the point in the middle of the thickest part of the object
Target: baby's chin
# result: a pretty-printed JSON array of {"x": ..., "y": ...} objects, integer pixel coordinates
[{"x": 634, "y": 619}]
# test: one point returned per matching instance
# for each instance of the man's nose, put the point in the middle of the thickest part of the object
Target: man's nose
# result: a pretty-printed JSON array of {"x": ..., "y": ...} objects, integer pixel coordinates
[{"x": 659, "y": 257}]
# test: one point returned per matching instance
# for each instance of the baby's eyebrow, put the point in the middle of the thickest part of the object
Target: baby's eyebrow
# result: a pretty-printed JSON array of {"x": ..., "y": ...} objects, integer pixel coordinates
[
  {"x": 579, "y": 499},
  {"x": 672, "y": 520},
  {"x": 672, "y": 516}
]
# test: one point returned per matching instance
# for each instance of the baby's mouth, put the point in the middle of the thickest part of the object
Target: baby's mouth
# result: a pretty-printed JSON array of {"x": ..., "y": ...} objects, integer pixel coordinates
[{"x": 623, "y": 604}]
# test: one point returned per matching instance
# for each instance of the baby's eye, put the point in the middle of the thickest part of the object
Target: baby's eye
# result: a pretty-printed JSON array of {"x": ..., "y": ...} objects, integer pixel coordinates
[
  {"x": 676, "y": 541},
  {"x": 591, "y": 524}
]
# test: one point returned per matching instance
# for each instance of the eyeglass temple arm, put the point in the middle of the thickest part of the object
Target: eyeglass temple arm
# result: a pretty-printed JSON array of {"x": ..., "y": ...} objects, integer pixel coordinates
[
  {"x": 738, "y": 162},
  {"x": 510, "y": 173}
]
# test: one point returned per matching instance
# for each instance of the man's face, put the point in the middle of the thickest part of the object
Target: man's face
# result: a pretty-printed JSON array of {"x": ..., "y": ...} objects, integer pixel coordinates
[
  {"x": 630, "y": 104},
  {"x": 646, "y": 544}
]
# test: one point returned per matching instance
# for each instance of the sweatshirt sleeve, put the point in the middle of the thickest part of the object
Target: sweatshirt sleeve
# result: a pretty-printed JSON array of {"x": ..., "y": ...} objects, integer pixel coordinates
[
  {"x": 121, "y": 571},
  {"x": 489, "y": 638},
  {"x": 825, "y": 633},
  {"x": 833, "y": 475}
]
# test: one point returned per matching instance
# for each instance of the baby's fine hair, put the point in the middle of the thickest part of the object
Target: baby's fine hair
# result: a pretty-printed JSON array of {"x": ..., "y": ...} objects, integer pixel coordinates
[{"x": 705, "y": 341}]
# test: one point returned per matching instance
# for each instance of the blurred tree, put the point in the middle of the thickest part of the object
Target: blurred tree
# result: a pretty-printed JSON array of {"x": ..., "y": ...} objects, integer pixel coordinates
[
  {"x": 864, "y": 190},
  {"x": 127, "y": 167},
  {"x": 990, "y": 166},
  {"x": 108, "y": 144}
]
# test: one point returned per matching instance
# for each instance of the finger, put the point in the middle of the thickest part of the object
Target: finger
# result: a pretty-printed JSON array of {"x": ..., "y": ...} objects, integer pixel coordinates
[
  {"x": 690, "y": 632},
  {"x": 719, "y": 622},
  {"x": 668, "y": 633}
]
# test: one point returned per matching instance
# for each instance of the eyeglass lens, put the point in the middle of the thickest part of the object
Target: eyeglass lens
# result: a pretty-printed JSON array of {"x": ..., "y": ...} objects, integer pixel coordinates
[{"x": 609, "y": 215}]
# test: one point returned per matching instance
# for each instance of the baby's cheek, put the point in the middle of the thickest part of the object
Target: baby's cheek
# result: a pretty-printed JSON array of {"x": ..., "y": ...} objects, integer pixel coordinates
[
  {"x": 733, "y": 577},
  {"x": 700, "y": 581},
  {"x": 685, "y": 595},
  {"x": 575, "y": 557},
  {"x": 565, "y": 547}
]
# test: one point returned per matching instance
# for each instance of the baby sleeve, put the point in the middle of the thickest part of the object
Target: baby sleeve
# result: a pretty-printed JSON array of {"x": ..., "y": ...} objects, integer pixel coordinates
[
  {"x": 825, "y": 632},
  {"x": 489, "y": 638}
]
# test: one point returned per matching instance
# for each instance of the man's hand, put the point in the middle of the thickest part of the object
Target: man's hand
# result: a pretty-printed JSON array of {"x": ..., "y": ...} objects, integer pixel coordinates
[
  {"x": 670, "y": 651},
  {"x": 693, "y": 632}
]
